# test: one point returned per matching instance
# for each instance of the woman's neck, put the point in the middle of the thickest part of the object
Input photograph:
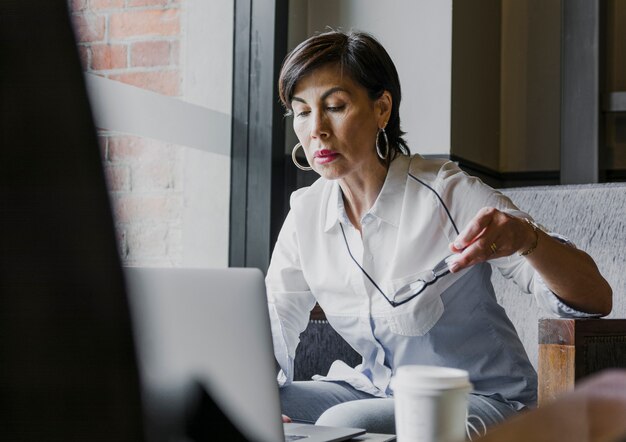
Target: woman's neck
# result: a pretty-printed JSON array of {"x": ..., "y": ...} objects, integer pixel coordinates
[{"x": 360, "y": 192}]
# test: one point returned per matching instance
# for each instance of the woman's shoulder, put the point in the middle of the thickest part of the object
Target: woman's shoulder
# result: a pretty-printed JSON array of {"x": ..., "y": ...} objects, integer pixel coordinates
[
  {"x": 308, "y": 196},
  {"x": 450, "y": 182},
  {"x": 433, "y": 170}
]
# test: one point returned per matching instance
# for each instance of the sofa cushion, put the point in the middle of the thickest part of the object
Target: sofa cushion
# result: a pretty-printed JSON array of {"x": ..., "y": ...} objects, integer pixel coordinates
[{"x": 320, "y": 345}]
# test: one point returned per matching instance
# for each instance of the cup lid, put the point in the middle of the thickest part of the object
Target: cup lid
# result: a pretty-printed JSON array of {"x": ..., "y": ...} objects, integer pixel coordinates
[{"x": 429, "y": 377}]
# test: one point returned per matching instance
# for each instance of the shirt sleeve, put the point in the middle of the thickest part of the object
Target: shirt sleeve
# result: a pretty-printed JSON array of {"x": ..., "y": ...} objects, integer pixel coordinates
[
  {"x": 289, "y": 299},
  {"x": 465, "y": 196},
  {"x": 530, "y": 281}
]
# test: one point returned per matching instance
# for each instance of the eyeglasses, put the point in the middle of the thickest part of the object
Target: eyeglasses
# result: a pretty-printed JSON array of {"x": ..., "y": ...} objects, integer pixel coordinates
[{"x": 413, "y": 289}]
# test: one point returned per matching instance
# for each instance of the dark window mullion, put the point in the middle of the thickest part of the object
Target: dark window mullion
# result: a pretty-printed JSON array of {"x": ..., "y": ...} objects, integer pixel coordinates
[{"x": 258, "y": 131}]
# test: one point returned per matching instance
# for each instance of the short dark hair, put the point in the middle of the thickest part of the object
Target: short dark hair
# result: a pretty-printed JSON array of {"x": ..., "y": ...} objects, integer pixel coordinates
[{"x": 362, "y": 57}]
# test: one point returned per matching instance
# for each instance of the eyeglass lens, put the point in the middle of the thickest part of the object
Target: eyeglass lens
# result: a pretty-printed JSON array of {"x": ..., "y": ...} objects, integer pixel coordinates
[{"x": 440, "y": 269}]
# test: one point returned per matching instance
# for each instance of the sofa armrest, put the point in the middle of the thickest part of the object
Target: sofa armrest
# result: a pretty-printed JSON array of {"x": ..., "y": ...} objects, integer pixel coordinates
[{"x": 570, "y": 349}]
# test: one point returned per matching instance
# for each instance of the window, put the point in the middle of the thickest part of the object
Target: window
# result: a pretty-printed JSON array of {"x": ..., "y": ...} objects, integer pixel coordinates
[{"x": 159, "y": 74}]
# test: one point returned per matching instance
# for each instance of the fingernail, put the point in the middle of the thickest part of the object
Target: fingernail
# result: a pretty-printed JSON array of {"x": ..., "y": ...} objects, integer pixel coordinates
[
  {"x": 453, "y": 266},
  {"x": 457, "y": 245}
]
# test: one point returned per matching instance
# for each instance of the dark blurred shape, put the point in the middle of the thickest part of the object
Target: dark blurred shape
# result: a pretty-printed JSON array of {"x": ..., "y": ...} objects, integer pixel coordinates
[
  {"x": 67, "y": 358},
  {"x": 205, "y": 420},
  {"x": 68, "y": 367}
]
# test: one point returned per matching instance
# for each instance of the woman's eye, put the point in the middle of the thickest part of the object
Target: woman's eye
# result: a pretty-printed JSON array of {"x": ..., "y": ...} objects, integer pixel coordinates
[
  {"x": 302, "y": 113},
  {"x": 335, "y": 108}
]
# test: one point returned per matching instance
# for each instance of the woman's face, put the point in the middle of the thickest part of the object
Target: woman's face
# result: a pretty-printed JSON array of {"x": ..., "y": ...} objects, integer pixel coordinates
[{"x": 336, "y": 122}]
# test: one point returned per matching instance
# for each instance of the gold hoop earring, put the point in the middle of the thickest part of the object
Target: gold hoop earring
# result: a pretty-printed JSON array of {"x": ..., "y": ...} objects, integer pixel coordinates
[
  {"x": 294, "y": 159},
  {"x": 378, "y": 151}
]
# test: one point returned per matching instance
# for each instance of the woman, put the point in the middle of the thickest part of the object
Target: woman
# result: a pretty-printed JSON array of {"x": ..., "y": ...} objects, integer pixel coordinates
[{"x": 363, "y": 241}]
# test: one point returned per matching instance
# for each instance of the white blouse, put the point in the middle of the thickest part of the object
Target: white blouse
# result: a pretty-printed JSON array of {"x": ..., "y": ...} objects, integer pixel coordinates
[{"x": 455, "y": 322}]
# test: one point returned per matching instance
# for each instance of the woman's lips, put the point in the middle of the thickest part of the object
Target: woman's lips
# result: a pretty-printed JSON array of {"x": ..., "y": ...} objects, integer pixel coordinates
[{"x": 324, "y": 156}]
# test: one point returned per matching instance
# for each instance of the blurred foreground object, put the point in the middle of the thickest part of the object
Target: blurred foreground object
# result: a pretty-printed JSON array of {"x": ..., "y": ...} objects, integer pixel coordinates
[
  {"x": 68, "y": 370},
  {"x": 594, "y": 412}
]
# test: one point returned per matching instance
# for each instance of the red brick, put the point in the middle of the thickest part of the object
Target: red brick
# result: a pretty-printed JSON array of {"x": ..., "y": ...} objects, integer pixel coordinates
[
  {"x": 101, "y": 5},
  {"x": 150, "y": 53},
  {"x": 117, "y": 177},
  {"x": 154, "y": 175},
  {"x": 175, "y": 53},
  {"x": 158, "y": 261},
  {"x": 136, "y": 208},
  {"x": 102, "y": 143},
  {"x": 134, "y": 3},
  {"x": 83, "y": 54},
  {"x": 149, "y": 240},
  {"x": 125, "y": 148},
  {"x": 78, "y": 5},
  {"x": 144, "y": 23},
  {"x": 108, "y": 56},
  {"x": 120, "y": 235},
  {"x": 130, "y": 149},
  {"x": 163, "y": 82},
  {"x": 89, "y": 27}
]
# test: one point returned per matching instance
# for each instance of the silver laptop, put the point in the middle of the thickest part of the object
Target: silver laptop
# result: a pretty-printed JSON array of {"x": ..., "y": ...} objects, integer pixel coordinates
[{"x": 211, "y": 326}]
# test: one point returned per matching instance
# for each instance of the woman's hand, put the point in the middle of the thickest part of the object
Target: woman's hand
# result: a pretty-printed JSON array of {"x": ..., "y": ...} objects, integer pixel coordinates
[
  {"x": 570, "y": 273},
  {"x": 491, "y": 234}
]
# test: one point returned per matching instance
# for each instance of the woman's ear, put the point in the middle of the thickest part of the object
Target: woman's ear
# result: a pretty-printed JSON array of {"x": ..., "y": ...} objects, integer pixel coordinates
[{"x": 383, "y": 107}]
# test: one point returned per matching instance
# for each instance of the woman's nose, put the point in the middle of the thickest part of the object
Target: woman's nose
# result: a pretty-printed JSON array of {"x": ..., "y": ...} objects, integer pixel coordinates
[{"x": 319, "y": 125}]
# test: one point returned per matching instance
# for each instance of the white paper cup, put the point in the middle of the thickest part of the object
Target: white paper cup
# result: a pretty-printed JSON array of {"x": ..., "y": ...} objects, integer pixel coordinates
[{"x": 430, "y": 403}]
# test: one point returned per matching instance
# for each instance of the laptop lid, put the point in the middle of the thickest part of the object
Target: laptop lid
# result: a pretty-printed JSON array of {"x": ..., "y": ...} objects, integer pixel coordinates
[
  {"x": 206, "y": 326},
  {"x": 211, "y": 326}
]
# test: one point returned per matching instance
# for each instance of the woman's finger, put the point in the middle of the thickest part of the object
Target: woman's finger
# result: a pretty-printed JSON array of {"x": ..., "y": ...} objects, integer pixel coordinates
[
  {"x": 503, "y": 235},
  {"x": 483, "y": 249},
  {"x": 474, "y": 229}
]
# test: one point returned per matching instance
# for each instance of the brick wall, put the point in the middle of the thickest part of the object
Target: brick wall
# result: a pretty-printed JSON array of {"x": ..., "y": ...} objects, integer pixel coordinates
[{"x": 138, "y": 42}]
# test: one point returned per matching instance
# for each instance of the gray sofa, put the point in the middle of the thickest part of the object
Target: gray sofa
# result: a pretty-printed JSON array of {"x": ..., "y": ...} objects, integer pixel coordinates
[{"x": 592, "y": 216}]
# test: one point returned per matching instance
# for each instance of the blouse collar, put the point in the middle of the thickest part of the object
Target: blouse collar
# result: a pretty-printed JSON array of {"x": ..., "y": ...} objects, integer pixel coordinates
[{"x": 387, "y": 206}]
